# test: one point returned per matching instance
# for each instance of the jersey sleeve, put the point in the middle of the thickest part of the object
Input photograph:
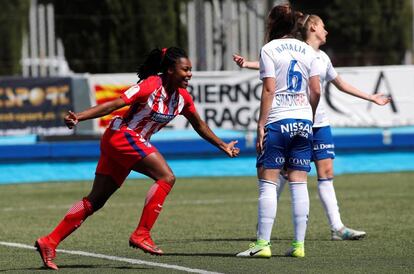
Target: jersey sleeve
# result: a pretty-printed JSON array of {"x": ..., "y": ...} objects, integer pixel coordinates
[
  {"x": 330, "y": 72},
  {"x": 189, "y": 107},
  {"x": 141, "y": 91},
  {"x": 267, "y": 65},
  {"x": 315, "y": 67}
]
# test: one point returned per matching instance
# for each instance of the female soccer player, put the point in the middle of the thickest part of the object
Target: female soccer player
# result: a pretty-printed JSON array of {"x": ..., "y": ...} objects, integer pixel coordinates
[
  {"x": 289, "y": 70},
  {"x": 312, "y": 31},
  {"x": 158, "y": 98}
]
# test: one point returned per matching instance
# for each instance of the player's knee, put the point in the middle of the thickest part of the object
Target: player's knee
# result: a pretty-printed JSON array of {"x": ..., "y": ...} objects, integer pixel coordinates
[
  {"x": 97, "y": 202},
  {"x": 169, "y": 178},
  {"x": 88, "y": 206},
  {"x": 327, "y": 173},
  {"x": 98, "y": 205}
]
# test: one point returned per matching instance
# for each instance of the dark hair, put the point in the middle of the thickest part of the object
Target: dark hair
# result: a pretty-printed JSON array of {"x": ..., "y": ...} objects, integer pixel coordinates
[
  {"x": 303, "y": 21},
  {"x": 159, "y": 61},
  {"x": 280, "y": 22}
]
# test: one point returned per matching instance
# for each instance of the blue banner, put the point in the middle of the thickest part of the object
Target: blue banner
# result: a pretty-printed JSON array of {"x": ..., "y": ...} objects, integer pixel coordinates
[{"x": 34, "y": 105}]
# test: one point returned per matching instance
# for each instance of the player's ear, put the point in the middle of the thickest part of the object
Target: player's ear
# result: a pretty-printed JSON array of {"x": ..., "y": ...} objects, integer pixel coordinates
[{"x": 312, "y": 27}]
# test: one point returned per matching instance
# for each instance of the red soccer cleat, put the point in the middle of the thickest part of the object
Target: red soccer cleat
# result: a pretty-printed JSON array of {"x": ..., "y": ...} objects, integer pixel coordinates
[
  {"x": 145, "y": 243},
  {"x": 47, "y": 252}
]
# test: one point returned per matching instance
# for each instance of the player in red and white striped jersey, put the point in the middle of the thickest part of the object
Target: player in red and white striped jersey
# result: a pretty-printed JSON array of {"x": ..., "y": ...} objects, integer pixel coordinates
[
  {"x": 152, "y": 107},
  {"x": 158, "y": 98}
]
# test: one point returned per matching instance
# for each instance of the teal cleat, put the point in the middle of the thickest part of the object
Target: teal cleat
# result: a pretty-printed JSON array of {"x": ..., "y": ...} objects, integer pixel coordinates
[{"x": 345, "y": 234}]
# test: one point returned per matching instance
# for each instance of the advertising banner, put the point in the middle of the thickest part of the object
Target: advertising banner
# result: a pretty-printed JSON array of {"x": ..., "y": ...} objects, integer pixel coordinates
[
  {"x": 34, "y": 105},
  {"x": 225, "y": 99},
  {"x": 231, "y": 99},
  {"x": 397, "y": 82}
]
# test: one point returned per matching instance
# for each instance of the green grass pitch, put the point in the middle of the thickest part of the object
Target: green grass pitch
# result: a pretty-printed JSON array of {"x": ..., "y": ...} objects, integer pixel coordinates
[{"x": 206, "y": 221}]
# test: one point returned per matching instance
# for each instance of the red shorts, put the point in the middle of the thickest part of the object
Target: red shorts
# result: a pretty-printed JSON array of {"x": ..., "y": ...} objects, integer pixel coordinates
[{"x": 120, "y": 150}]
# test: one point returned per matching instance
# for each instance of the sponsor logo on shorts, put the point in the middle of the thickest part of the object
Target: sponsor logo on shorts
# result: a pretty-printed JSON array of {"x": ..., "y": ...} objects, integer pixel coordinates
[
  {"x": 280, "y": 160},
  {"x": 299, "y": 162},
  {"x": 323, "y": 146},
  {"x": 297, "y": 128}
]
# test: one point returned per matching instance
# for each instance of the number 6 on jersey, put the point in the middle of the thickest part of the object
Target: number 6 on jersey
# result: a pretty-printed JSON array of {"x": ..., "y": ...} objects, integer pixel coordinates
[{"x": 294, "y": 78}]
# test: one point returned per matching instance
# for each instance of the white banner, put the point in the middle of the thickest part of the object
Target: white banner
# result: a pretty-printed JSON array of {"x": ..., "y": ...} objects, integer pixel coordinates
[
  {"x": 230, "y": 99},
  {"x": 394, "y": 81}
]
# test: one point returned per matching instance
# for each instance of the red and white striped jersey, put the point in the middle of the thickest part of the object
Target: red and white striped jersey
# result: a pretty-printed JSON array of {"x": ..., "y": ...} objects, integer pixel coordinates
[{"x": 152, "y": 108}]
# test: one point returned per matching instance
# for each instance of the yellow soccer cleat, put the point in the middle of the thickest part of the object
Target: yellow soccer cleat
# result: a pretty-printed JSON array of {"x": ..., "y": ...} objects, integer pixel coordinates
[
  {"x": 259, "y": 249},
  {"x": 297, "y": 250}
]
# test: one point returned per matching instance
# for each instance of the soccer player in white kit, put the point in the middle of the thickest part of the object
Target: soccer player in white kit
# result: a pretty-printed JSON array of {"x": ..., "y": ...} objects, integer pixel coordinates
[
  {"x": 291, "y": 89},
  {"x": 312, "y": 30}
]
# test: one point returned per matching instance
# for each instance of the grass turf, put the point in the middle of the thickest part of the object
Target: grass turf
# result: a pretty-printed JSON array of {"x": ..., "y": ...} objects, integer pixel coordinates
[{"x": 205, "y": 221}]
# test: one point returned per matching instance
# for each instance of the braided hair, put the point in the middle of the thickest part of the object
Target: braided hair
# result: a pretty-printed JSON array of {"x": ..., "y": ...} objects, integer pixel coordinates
[{"x": 159, "y": 61}]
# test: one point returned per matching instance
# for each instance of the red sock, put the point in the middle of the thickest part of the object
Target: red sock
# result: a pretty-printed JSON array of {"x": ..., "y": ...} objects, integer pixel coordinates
[
  {"x": 153, "y": 204},
  {"x": 72, "y": 220}
]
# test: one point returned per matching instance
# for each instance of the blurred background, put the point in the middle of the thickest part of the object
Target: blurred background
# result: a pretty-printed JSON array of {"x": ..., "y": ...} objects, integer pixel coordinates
[
  {"x": 70, "y": 54},
  {"x": 43, "y": 38}
]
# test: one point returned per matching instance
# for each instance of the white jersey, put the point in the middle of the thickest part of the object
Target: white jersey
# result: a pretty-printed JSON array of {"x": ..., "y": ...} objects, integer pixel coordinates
[
  {"x": 326, "y": 74},
  {"x": 291, "y": 62}
]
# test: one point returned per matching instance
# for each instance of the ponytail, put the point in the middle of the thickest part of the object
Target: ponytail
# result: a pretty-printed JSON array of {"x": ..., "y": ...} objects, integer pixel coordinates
[
  {"x": 159, "y": 61},
  {"x": 280, "y": 22}
]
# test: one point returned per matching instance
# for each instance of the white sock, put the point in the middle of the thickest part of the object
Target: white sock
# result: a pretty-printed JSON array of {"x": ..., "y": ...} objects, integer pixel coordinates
[
  {"x": 328, "y": 198},
  {"x": 280, "y": 185},
  {"x": 300, "y": 209},
  {"x": 266, "y": 209}
]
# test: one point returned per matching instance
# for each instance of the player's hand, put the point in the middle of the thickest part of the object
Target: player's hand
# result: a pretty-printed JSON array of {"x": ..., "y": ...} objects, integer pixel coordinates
[
  {"x": 239, "y": 60},
  {"x": 71, "y": 119},
  {"x": 380, "y": 99},
  {"x": 231, "y": 150},
  {"x": 259, "y": 140}
]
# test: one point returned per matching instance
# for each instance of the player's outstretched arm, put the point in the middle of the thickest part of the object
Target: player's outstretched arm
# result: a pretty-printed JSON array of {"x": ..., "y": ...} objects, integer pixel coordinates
[
  {"x": 379, "y": 98},
  {"x": 206, "y": 133},
  {"x": 72, "y": 119},
  {"x": 243, "y": 63}
]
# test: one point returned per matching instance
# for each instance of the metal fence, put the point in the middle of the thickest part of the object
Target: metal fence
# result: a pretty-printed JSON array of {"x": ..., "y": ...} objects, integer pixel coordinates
[
  {"x": 217, "y": 29},
  {"x": 42, "y": 53}
]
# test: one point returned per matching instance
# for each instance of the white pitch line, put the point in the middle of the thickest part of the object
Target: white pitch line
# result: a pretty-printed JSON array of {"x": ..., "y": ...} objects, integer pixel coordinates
[{"x": 116, "y": 258}]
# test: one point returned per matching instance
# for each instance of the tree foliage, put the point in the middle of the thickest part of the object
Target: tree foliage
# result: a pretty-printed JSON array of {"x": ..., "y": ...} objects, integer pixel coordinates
[
  {"x": 364, "y": 32},
  {"x": 13, "y": 21},
  {"x": 114, "y": 35},
  {"x": 101, "y": 36}
]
